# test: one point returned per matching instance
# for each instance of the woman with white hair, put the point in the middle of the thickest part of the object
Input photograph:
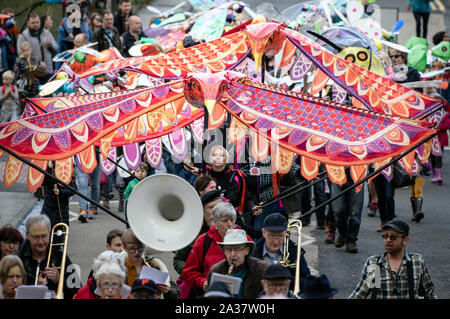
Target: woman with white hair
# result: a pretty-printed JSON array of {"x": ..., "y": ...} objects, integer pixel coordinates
[
  {"x": 110, "y": 279},
  {"x": 108, "y": 256},
  {"x": 206, "y": 252}
]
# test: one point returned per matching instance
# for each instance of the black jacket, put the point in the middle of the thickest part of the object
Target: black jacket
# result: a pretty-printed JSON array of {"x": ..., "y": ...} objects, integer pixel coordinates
[
  {"x": 30, "y": 266},
  {"x": 119, "y": 21},
  {"x": 128, "y": 40},
  {"x": 304, "y": 269},
  {"x": 54, "y": 204}
]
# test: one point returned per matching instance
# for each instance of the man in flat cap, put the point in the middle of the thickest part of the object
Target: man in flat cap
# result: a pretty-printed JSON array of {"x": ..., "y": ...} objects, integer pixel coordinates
[
  {"x": 270, "y": 247},
  {"x": 395, "y": 274}
]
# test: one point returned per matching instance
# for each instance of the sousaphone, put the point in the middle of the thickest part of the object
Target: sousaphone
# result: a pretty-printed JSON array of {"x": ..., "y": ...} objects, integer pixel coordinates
[{"x": 165, "y": 212}]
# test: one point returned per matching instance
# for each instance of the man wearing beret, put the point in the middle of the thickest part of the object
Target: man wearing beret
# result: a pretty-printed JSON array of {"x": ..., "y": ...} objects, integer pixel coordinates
[{"x": 396, "y": 274}]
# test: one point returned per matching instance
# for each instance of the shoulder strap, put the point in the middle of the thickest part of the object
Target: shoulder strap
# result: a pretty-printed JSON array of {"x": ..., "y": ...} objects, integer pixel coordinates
[
  {"x": 410, "y": 273},
  {"x": 206, "y": 245}
]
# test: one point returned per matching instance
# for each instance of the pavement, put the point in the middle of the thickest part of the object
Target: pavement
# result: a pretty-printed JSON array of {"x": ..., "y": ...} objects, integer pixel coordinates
[{"x": 16, "y": 202}]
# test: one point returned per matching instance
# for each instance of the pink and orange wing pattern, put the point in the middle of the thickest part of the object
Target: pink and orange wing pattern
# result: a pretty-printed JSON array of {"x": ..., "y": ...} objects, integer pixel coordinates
[
  {"x": 374, "y": 91},
  {"x": 322, "y": 130},
  {"x": 67, "y": 132}
]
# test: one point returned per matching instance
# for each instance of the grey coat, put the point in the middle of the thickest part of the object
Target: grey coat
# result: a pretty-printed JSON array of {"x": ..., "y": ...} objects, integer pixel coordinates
[{"x": 36, "y": 47}]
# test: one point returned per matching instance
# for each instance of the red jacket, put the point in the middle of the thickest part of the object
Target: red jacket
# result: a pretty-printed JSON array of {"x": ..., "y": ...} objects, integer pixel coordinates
[
  {"x": 442, "y": 130},
  {"x": 87, "y": 291},
  {"x": 196, "y": 270}
]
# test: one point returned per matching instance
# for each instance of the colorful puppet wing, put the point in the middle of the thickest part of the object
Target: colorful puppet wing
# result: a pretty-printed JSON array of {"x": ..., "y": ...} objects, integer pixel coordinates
[
  {"x": 375, "y": 92},
  {"x": 166, "y": 38},
  {"x": 319, "y": 129},
  {"x": 60, "y": 134},
  {"x": 214, "y": 56}
]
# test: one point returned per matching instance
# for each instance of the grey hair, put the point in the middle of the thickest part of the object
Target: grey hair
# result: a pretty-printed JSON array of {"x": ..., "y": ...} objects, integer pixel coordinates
[
  {"x": 223, "y": 209},
  {"x": 38, "y": 219},
  {"x": 110, "y": 268},
  {"x": 108, "y": 256}
]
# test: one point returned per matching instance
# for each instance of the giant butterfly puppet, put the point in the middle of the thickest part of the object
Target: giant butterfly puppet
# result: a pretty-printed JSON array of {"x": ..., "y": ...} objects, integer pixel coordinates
[{"x": 281, "y": 123}]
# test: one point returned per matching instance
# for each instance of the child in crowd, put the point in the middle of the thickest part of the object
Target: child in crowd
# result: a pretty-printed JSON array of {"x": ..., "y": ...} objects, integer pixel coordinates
[
  {"x": 27, "y": 70},
  {"x": 9, "y": 98},
  {"x": 140, "y": 173}
]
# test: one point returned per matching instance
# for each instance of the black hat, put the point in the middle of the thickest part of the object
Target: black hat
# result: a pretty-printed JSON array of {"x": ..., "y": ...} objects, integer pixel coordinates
[
  {"x": 218, "y": 289},
  {"x": 211, "y": 196},
  {"x": 146, "y": 284},
  {"x": 277, "y": 271},
  {"x": 317, "y": 288},
  {"x": 275, "y": 222},
  {"x": 398, "y": 225}
]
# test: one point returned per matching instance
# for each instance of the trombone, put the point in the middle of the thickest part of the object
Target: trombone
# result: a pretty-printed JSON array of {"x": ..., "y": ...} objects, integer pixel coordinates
[
  {"x": 65, "y": 233},
  {"x": 296, "y": 223}
]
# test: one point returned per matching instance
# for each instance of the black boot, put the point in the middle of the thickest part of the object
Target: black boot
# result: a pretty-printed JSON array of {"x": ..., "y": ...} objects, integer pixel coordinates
[
  {"x": 419, "y": 213},
  {"x": 414, "y": 208}
]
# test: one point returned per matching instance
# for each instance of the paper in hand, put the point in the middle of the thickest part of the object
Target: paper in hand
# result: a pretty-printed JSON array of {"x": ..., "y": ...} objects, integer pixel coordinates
[
  {"x": 158, "y": 276},
  {"x": 32, "y": 292}
]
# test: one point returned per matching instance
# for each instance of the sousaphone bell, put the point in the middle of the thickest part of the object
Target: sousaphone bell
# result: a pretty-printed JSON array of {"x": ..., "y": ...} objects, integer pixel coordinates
[{"x": 165, "y": 212}]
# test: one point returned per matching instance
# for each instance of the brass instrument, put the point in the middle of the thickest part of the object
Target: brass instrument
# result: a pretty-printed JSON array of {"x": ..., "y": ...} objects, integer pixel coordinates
[
  {"x": 296, "y": 223},
  {"x": 65, "y": 233},
  {"x": 37, "y": 272}
]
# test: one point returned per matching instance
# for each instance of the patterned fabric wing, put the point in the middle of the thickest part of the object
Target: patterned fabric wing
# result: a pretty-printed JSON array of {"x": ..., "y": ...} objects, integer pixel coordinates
[
  {"x": 322, "y": 130},
  {"x": 214, "y": 56},
  {"x": 67, "y": 132},
  {"x": 374, "y": 91}
]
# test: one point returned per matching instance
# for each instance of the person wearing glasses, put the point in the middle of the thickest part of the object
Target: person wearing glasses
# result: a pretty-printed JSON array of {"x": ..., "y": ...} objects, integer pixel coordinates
[
  {"x": 238, "y": 263},
  {"x": 276, "y": 282},
  {"x": 10, "y": 240},
  {"x": 134, "y": 262},
  {"x": 12, "y": 275},
  {"x": 34, "y": 254},
  {"x": 110, "y": 278},
  {"x": 402, "y": 72},
  {"x": 396, "y": 274}
]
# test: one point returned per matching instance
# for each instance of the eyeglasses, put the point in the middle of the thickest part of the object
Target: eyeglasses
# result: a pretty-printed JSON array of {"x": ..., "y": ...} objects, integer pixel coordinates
[
  {"x": 276, "y": 236},
  {"x": 8, "y": 242},
  {"x": 395, "y": 56},
  {"x": 279, "y": 285},
  {"x": 134, "y": 249},
  {"x": 113, "y": 285},
  {"x": 391, "y": 237},
  {"x": 236, "y": 249}
]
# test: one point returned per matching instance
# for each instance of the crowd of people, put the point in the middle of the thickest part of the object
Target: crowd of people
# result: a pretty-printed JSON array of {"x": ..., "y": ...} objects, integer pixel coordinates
[{"x": 242, "y": 236}]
